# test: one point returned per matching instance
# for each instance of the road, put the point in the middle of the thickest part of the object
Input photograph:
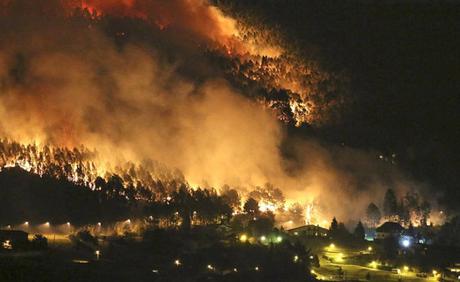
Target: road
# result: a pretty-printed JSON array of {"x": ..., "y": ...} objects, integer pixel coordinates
[{"x": 330, "y": 270}]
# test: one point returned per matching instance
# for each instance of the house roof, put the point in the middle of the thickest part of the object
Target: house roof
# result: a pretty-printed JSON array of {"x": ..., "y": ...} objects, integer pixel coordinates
[
  {"x": 309, "y": 228},
  {"x": 390, "y": 227}
]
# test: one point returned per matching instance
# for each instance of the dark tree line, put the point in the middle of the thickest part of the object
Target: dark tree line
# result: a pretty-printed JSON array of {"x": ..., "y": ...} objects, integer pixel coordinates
[
  {"x": 409, "y": 209},
  {"x": 29, "y": 197}
]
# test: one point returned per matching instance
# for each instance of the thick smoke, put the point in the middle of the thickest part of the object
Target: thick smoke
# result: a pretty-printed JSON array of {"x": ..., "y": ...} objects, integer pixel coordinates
[{"x": 67, "y": 83}]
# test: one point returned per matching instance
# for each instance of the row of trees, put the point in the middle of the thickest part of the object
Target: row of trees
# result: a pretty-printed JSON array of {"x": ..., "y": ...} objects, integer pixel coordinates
[
  {"x": 203, "y": 206},
  {"x": 35, "y": 198},
  {"x": 410, "y": 209},
  {"x": 338, "y": 231},
  {"x": 149, "y": 180}
]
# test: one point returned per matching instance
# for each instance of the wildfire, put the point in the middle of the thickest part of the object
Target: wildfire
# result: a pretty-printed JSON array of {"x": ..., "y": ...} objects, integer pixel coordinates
[
  {"x": 251, "y": 49},
  {"x": 91, "y": 9},
  {"x": 82, "y": 166},
  {"x": 264, "y": 207}
]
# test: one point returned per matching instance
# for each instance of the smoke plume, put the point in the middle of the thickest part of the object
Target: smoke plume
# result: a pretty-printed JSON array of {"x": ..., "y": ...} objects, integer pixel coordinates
[{"x": 65, "y": 82}]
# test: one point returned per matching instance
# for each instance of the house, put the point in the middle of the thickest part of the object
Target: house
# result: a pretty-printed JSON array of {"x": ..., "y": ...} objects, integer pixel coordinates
[
  {"x": 11, "y": 239},
  {"x": 309, "y": 231},
  {"x": 387, "y": 230}
]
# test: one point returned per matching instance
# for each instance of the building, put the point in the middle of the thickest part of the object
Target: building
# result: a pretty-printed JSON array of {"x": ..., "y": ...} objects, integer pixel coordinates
[
  {"x": 309, "y": 231},
  {"x": 387, "y": 230},
  {"x": 11, "y": 239}
]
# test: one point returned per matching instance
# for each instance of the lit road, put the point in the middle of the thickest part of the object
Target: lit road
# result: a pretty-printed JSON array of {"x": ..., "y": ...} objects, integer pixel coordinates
[
  {"x": 355, "y": 272},
  {"x": 330, "y": 270}
]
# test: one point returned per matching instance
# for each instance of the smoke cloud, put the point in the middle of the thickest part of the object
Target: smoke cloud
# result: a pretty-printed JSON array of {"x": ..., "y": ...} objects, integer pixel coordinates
[{"x": 69, "y": 84}]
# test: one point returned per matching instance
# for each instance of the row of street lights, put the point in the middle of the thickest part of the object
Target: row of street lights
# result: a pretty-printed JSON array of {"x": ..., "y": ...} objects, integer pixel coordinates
[
  {"x": 48, "y": 224},
  {"x": 210, "y": 267},
  {"x": 278, "y": 239}
]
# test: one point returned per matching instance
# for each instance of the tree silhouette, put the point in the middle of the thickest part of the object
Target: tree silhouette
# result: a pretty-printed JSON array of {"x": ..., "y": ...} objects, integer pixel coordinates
[
  {"x": 251, "y": 206},
  {"x": 334, "y": 226},
  {"x": 373, "y": 215},
  {"x": 390, "y": 205},
  {"x": 359, "y": 232}
]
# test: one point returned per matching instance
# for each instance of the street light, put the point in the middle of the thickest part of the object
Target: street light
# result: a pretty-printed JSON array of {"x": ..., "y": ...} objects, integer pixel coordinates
[
  {"x": 406, "y": 243},
  {"x": 177, "y": 262},
  {"x": 243, "y": 238},
  {"x": 98, "y": 253}
]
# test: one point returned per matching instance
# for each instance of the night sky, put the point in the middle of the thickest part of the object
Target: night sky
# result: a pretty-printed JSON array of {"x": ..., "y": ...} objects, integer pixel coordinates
[{"x": 403, "y": 59}]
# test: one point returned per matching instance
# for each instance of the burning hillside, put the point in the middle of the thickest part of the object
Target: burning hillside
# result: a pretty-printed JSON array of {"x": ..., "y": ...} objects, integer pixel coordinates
[
  {"x": 170, "y": 92},
  {"x": 82, "y": 167},
  {"x": 299, "y": 91}
]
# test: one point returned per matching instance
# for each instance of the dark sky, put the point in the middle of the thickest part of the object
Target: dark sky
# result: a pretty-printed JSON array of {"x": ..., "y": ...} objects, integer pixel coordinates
[{"x": 404, "y": 61}]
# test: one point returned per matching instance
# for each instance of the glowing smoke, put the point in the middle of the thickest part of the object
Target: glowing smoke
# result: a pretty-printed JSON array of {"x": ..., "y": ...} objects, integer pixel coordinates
[{"x": 67, "y": 83}]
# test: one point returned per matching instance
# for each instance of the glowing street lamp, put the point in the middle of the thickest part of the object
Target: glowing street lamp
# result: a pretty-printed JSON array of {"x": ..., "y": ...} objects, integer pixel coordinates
[
  {"x": 263, "y": 238},
  {"x": 340, "y": 257},
  {"x": 279, "y": 239},
  {"x": 98, "y": 254},
  {"x": 177, "y": 262},
  {"x": 369, "y": 249},
  {"x": 406, "y": 268},
  {"x": 210, "y": 267},
  {"x": 296, "y": 258},
  {"x": 243, "y": 238},
  {"x": 256, "y": 268},
  {"x": 47, "y": 224},
  {"x": 99, "y": 224},
  {"x": 68, "y": 223},
  {"x": 406, "y": 243},
  {"x": 26, "y": 223}
]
